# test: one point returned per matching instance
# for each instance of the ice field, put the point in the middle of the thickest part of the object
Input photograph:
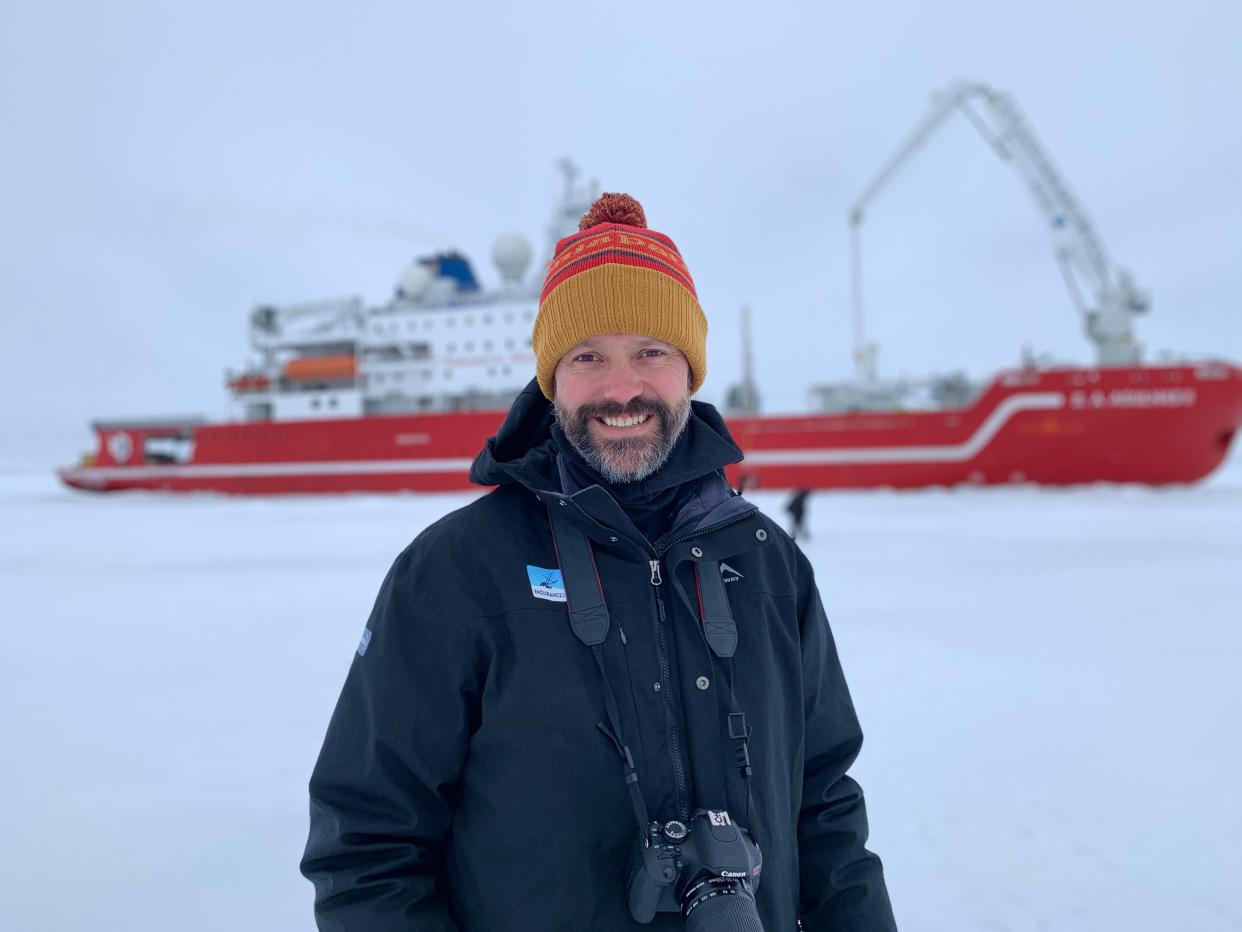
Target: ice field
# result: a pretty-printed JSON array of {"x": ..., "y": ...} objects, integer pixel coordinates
[{"x": 1048, "y": 681}]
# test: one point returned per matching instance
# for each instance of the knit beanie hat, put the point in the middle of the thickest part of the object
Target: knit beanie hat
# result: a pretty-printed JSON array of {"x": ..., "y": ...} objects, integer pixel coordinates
[{"x": 616, "y": 276}]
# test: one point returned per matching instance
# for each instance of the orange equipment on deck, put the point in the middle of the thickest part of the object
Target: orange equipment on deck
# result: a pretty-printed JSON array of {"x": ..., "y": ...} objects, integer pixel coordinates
[{"x": 321, "y": 369}]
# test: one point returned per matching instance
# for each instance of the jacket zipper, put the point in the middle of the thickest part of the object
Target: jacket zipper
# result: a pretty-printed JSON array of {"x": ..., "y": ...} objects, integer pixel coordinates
[
  {"x": 670, "y": 720},
  {"x": 666, "y": 688}
]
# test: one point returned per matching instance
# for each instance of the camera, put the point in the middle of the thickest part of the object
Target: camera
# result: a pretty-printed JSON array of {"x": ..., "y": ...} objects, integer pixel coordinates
[{"x": 708, "y": 870}]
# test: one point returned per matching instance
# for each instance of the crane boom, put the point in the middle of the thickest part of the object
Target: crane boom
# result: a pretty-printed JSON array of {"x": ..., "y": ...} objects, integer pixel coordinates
[{"x": 1104, "y": 295}]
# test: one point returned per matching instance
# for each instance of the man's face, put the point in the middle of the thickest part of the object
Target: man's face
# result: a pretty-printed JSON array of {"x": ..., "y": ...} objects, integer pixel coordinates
[{"x": 623, "y": 400}]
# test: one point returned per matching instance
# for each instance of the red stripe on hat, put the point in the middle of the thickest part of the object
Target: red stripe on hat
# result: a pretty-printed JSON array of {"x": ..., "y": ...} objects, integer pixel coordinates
[
  {"x": 617, "y": 257},
  {"x": 616, "y": 242},
  {"x": 602, "y": 236},
  {"x": 610, "y": 227}
]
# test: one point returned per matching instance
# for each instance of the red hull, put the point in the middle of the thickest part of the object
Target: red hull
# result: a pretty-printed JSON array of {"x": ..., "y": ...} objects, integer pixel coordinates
[{"x": 1153, "y": 425}]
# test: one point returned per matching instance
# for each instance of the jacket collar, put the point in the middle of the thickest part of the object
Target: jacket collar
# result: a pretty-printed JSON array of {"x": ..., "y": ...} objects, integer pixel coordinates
[{"x": 525, "y": 451}]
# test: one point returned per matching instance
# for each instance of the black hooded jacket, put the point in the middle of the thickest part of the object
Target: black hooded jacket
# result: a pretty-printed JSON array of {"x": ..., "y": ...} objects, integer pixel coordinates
[{"x": 467, "y": 780}]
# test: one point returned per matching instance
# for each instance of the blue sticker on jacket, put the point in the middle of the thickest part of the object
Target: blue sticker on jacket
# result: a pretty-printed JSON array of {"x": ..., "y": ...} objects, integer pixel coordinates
[
  {"x": 365, "y": 642},
  {"x": 546, "y": 584}
]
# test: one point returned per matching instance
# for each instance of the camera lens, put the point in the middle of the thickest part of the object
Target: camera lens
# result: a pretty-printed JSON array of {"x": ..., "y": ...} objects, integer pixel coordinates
[{"x": 720, "y": 904}]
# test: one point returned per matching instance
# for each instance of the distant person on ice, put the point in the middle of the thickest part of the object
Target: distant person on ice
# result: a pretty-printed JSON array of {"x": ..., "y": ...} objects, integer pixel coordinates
[
  {"x": 603, "y": 696},
  {"x": 797, "y": 515}
]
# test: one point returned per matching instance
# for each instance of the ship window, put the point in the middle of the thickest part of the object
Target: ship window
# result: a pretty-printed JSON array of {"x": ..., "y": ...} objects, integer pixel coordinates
[
  {"x": 452, "y": 321},
  {"x": 528, "y": 341},
  {"x": 487, "y": 344},
  {"x": 448, "y": 373},
  {"x": 469, "y": 346},
  {"x": 452, "y": 347},
  {"x": 315, "y": 403},
  {"x": 487, "y": 318},
  {"x": 426, "y": 374},
  {"x": 504, "y": 370},
  {"x": 379, "y": 377},
  {"x": 491, "y": 370},
  {"x": 508, "y": 317},
  {"x": 427, "y": 324},
  {"x": 396, "y": 376},
  {"x": 509, "y": 344},
  {"x": 469, "y": 321},
  {"x": 175, "y": 449},
  {"x": 332, "y": 402},
  {"x": 527, "y": 315}
]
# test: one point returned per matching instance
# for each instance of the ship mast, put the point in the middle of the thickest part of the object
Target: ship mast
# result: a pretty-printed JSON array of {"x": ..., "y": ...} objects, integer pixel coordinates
[
  {"x": 743, "y": 398},
  {"x": 1104, "y": 295},
  {"x": 576, "y": 199}
]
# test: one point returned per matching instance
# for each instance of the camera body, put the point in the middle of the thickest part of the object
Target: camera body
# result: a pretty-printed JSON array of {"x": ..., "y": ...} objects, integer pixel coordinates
[{"x": 707, "y": 869}]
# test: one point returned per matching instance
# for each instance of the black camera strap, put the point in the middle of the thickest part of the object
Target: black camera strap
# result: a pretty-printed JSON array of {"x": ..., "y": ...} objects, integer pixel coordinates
[
  {"x": 720, "y": 633},
  {"x": 588, "y": 617},
  {"x": 739, "y": 733}
]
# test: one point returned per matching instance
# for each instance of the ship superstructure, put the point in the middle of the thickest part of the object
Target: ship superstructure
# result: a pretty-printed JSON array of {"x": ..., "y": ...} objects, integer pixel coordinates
[{"x": 442, "y": 343}]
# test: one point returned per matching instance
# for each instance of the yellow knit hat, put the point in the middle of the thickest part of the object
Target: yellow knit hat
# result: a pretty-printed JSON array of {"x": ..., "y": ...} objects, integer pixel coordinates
[{"x": 616, "y": 276}]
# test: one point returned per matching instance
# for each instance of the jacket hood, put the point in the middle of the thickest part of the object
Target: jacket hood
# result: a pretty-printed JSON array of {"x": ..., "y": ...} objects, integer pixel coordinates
[{"x": 524, "y": 451}]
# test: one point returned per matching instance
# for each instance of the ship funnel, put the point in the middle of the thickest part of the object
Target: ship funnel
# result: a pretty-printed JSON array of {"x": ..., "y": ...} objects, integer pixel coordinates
[{"x": 512, "y": 254}]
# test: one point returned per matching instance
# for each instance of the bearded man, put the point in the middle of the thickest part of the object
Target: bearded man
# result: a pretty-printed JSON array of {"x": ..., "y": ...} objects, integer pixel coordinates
[{"x": 604, "y": 695}]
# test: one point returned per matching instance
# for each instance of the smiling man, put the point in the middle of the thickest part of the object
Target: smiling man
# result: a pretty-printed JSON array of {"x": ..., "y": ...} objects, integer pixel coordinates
[
  {"x": 623, "y": 400},
  {"x": 603, "y": 696}
]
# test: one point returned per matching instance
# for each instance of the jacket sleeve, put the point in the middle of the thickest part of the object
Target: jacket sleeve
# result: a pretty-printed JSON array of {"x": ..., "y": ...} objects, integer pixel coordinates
[
  {"x": 842, "y": 883},
  {"x": 383, "y": 790}
]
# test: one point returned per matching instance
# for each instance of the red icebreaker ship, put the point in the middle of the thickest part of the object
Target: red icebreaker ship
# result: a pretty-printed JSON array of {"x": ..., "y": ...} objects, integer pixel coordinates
[{"x": 400, "y": 397}]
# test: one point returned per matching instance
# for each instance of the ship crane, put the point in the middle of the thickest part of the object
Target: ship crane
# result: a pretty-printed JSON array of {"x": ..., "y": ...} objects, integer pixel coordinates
[{"x": 1105, "y": 295}]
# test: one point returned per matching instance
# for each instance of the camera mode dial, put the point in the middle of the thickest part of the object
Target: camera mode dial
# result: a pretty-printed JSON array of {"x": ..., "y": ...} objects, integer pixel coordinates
[{"x": 675, "y": 831}]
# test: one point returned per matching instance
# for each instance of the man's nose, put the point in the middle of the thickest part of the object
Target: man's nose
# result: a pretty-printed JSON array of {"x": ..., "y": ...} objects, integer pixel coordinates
[{"x": 623, "y": 384}]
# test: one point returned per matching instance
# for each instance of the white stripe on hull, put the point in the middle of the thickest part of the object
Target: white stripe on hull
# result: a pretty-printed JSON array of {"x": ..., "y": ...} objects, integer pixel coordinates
[
  {"x": 942, "y": 453},
  {"x": 259, "y": 470}
]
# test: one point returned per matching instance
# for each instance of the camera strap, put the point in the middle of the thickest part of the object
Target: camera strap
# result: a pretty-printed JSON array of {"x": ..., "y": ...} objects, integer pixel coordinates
[
  {"x": 589, "y": 620},
  {"x": 739, "y": 733},
  {"x": 720, "y": 633}
]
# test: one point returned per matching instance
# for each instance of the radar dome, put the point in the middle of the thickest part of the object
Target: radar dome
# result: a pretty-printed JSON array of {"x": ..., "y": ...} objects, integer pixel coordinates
[
  {"x": 511, "y": 254},
  {"x": 413, "y": 281}
]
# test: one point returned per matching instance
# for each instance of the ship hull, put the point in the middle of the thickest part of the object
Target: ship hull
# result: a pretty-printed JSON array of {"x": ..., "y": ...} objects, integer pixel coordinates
[{"x": 1151, "y": 425}]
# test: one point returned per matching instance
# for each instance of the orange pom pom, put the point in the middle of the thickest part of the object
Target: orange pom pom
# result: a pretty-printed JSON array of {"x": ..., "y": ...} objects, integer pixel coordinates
[{"x": 614, "y": 208}]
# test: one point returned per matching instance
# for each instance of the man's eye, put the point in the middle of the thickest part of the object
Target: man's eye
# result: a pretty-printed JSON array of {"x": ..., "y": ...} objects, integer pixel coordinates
[
  {"x": 585, "y": 357},
  {"x": 653, "y": 352}
]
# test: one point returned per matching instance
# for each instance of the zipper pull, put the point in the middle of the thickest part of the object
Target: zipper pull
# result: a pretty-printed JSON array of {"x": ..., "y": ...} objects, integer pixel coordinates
[{"x": 655, "y": 573}]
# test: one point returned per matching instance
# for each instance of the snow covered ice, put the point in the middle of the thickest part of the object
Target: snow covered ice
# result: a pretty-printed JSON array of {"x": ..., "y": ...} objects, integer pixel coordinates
[{"x": 1047, "y": 680}]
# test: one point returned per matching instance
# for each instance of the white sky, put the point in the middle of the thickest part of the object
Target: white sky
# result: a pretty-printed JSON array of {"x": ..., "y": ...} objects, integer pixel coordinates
[{"x": 168, "y": 166}]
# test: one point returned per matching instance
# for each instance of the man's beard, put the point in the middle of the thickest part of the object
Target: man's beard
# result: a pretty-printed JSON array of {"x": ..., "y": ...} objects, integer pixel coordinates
[{"x": 624, "y": 459}]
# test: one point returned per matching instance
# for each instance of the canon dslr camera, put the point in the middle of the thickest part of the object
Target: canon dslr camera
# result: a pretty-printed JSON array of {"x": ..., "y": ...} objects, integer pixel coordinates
[{"x": 708, "y": 870}]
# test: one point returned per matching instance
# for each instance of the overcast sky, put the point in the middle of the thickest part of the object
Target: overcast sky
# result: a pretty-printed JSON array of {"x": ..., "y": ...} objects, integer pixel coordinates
[{"x": 167, "y": 166}]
